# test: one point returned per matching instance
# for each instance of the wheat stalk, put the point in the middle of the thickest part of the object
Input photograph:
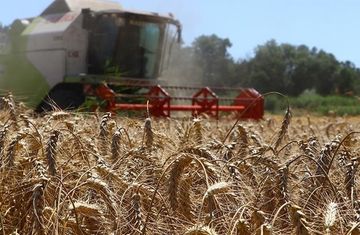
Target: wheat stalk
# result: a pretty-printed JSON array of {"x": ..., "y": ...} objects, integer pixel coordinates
[
  {"x": 242, "y": 227},
  {"x": 259, "y": 222},
  {"x": 265, "y": 229},
  {"x": 299, "y": 220}
]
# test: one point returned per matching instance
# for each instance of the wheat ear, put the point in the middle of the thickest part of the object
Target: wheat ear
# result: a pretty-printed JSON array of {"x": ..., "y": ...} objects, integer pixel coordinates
[
  {"x": 200, "y": 230},
  {"x": 104, "y": 132},
  {"x": 197, "y": 127},
  {"x": 209, "y": 197},
  {"x": 184, "y": 197},
  {"x": 10, "y": 156},
  {"x": 176, "y": 173},
  {"x": 330, "y": 216},
  {"x": 148, "y": 133},
  {"x": 51, "y": 151},
  {"x": 86, "y": 209},
  {"x": 284, "y": 126},
  {"x": 283, "y": 175},
  {"x": 136, "y": 214},
  {"x": 324, "y": 161},
  {"x": 37, "y": 201},
  {"x": 10, "y": 103},
  {"x": 3, "y": 134},
  {"x": 104, "y": 191},
  {"x": 115, "y": 145},
  {"x": 351, "y": 169},
  {"x": 243, "y": 141}
]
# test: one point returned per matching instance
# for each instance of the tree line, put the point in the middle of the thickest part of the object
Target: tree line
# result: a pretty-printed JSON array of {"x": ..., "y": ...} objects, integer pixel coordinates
[{"x": 289, "y": 69}]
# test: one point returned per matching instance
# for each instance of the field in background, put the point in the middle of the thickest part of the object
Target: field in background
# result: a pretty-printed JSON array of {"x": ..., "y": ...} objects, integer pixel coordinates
[
  {"x": 316, "y": 104},
  {"x": 97, "y": 174}
]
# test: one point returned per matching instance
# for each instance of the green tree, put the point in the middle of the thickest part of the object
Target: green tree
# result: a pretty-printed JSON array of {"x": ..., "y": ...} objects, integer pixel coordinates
[
  {"x": 292, "y": 69},
  {"x": 325, "y": 67},
  {"x": 346, "y": 77},
  {"x": 212, "y": 57},
  {"x": 270, "y": 67}
]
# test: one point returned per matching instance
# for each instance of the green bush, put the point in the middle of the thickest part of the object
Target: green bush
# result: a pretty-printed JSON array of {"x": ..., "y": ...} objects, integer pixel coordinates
[
  {"x": 314, "y": 103},
  {"x": 275, "y": 103}
]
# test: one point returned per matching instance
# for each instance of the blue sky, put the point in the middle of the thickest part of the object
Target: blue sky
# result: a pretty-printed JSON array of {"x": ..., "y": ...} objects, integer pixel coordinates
[{"x": 332, "y": 25}]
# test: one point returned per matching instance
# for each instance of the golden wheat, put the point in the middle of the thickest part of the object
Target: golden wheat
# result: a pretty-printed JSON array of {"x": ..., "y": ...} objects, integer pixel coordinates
[{"x": 60, "y": 175}]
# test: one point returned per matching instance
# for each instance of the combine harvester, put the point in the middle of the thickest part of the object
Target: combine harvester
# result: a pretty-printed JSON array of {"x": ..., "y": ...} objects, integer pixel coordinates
[{"x": 78, "y": 49}]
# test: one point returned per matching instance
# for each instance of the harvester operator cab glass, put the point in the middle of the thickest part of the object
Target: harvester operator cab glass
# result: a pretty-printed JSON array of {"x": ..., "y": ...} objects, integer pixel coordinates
[
  {"x": 126, "y": 45},
  {"x": 172, "y": 42}
]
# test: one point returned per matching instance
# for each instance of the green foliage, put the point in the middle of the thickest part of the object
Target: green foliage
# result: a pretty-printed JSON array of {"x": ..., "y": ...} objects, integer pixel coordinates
[
  {"x": 275, "y": 104},
  {"x": 92, "y": 103},
  {"x": 111, "y": 69},
  {"x": 292, "y": 69},
  {"x": 211, "y": 55},
  {"x": 314, "y": 103}
]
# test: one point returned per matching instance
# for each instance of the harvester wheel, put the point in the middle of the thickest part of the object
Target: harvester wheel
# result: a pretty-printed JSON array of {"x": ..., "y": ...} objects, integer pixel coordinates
[{"x": 63, "y": 96}]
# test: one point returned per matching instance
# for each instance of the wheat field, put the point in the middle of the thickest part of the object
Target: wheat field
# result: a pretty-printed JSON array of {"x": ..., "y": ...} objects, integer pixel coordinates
[{"x": 96, "y": 173}]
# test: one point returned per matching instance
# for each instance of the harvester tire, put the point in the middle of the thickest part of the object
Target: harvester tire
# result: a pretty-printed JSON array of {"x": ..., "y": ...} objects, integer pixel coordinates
[{"x": 64, "y": 97}]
